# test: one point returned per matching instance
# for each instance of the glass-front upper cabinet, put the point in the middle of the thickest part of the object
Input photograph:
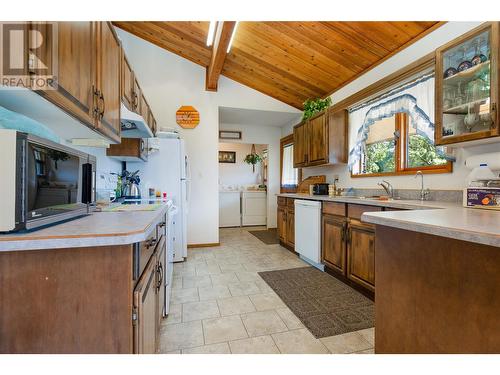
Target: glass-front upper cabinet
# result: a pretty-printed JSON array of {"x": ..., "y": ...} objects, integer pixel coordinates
[{"x": 467, "y": 87}]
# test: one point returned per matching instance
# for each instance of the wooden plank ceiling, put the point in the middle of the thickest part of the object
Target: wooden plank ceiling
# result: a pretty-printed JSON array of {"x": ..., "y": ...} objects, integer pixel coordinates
[{"x": 289, "y": 61}]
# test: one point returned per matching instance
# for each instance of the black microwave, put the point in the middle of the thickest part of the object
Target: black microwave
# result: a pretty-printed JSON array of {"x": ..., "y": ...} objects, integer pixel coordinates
[{"x": 43, "y": 182}]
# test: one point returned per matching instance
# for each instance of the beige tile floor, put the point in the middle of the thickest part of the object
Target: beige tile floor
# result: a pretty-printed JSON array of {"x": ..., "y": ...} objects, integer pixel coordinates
[{"x": 221, "y": 305}]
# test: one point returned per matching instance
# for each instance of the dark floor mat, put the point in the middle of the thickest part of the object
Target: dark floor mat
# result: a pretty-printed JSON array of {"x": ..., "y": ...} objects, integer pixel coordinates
[
  {"x": 325, "y": 305},
  {"x": 269, "y": 236}
]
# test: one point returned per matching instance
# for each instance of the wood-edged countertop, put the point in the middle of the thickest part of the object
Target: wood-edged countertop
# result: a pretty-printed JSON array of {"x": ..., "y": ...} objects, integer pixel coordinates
[
  {"x": 445, "y": 219},
  {"x": 96, "y": 229}
]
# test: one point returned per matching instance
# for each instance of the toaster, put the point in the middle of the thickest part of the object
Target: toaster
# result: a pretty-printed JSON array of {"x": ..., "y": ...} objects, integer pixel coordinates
[{"x": 320, "y": 189}]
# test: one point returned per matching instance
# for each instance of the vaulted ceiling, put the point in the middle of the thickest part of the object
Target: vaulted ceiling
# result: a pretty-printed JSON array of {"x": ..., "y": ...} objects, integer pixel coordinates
[{"x": 289, "y": 61}]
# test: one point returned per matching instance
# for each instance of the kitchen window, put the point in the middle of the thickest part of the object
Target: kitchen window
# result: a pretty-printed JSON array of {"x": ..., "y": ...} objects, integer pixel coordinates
[
  {"x": 289, "y": 176},
  {"x": 396, "y": 133}
]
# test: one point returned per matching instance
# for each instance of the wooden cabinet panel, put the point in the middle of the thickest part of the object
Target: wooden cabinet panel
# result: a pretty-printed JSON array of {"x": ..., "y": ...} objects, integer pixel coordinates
[
  {"x": 282, "y": 224},
  {"x": 282, "y": 201},
  {"x": 361, "y": 255},
  {"x": 143, "y": 107},
  {"x": 317, "y": 140},
  {"x": 334, "y": 208},
  {"x": 74, "y": 300},
  {"x": 290, "y": 228},
  {"x": 333, "y": 244},
  {"x": 146, "y": 310},
  {"x": 129, "y": 149},
  {"x": 109, "y": 81},
  {"x": 337, "y": 136},
  {"x": 127, "y": 83},
  {"x": 76, "y": 78},
  {"x": 354, "y": 211},
  {"x": 321, "y": 139},
  {"x": 300, "y": 147}
]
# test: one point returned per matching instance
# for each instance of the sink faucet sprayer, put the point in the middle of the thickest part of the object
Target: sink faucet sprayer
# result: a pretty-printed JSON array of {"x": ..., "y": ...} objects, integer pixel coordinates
[{"x": 424, "y": 193}]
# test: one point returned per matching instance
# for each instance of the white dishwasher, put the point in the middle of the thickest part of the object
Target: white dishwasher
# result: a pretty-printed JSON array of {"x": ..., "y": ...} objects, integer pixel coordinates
[{"x": 308, "y": 231}]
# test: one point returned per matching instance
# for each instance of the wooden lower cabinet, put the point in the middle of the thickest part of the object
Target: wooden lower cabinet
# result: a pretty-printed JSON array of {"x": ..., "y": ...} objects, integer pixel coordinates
[
  {"x": 286, "y": 222},
  {"x": 91, "y": 300},
  {"x": 282, "y": 224},
  {"x": 290, "y": 228},
  {"x": 333, "y": 252},
  {"x": 145, "y": 318},
  {"x": 361, "y": 254}
]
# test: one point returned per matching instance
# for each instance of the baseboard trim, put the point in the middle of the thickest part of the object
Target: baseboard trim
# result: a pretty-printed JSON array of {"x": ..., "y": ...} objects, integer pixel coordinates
[{"x": 213, "y": 244}]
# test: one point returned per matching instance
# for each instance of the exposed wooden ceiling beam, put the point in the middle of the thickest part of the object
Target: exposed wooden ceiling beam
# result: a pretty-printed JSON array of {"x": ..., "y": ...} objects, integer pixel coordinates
[{"x": 219, "y": 52}]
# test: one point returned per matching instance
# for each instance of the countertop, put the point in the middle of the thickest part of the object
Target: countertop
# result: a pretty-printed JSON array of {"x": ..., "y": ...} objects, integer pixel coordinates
[
  {"x": 96, "y": 229},
  {"x": 444, "y": 219},
  {"x": 396, "y": 203}
]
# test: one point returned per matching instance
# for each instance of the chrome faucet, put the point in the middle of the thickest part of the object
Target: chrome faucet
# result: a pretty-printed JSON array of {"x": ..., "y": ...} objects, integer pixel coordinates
[
  {"x": 387, "y": 187},
  {"x": 424, "y": 193}
]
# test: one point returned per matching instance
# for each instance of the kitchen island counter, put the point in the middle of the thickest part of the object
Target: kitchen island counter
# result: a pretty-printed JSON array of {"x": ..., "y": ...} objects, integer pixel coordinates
[{"x": 97, "y": 229}]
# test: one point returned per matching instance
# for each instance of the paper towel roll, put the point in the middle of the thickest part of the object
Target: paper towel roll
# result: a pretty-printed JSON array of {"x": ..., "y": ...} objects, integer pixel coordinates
[{"x": 492, "y": 159}]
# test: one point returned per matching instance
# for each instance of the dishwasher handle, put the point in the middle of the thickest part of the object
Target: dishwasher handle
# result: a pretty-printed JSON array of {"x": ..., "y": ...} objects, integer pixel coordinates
[{"x": 304, "y": 203}]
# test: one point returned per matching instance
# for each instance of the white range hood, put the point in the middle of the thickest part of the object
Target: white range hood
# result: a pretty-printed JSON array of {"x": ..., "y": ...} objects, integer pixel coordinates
[{"x": 134, "y": 125}]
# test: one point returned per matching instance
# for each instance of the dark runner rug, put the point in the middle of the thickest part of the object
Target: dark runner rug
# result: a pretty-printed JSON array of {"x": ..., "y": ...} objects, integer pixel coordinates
[
  {"x": 269, "y": 236},
  {"x": 325, "y": 305}
]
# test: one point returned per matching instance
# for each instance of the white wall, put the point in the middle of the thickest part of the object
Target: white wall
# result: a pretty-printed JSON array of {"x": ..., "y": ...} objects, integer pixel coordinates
[
  {"x": 240, "y": 173},
  {"x": 429, "y": 43},
  {"x": 170, "y": 81},
  {"x": 271, "y": 136}
]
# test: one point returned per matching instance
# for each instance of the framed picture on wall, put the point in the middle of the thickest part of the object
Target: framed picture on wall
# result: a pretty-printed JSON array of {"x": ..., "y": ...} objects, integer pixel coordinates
[
  {"x": 229, "y": 134},
  {"x": 227, "y": 156}
]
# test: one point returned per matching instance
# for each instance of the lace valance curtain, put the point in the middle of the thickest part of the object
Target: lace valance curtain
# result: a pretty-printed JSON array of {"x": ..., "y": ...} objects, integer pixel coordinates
[{"x": 415, "y": 98}]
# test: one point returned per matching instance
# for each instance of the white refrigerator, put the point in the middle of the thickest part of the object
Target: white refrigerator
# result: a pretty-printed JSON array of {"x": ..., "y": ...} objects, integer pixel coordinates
[{"x": 167, "y": 170}]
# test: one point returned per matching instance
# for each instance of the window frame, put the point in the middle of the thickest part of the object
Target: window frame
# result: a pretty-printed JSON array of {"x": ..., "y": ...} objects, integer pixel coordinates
[
  {"x": 285, "y": 141},
  {"x": 401, "y": 154}
]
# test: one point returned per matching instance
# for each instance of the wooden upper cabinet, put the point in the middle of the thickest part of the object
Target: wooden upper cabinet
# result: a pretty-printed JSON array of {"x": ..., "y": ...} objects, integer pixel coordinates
[
  {"x": 466, "y": 89},
  {"x": 317, "y": 139},
  {"x": 76, "y": 78},
  {"x": 321, "y": 140},
  {"x": 108, "y": 81},
  {"x": 361, "y": 254},
  {"x": 143, "y": 107},
  {"x": 127, "y": 83},
  {"x": 300, "y": 147},
  {"x": 333, "y": 242}
]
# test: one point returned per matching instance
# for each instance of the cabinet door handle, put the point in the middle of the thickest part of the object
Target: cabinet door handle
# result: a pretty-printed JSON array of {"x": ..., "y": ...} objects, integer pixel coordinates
[
  {"x": 348, "y": 235},
  {"x": 135, "y": 100},
  {"x": 160, "y": 276},
  {"x": 101, "y": 111},
  {"x": 95, "y": 95},
  {"x": 151, "y": 242}
]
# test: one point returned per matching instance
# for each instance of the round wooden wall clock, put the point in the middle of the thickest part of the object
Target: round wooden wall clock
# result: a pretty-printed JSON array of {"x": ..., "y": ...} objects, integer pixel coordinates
[{"x": 187, "y": 117}]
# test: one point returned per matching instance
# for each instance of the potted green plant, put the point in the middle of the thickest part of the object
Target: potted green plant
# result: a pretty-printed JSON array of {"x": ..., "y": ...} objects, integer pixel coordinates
[
  {"x": 313, "y": 106},
  {"x": 253, "y": 158}
]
